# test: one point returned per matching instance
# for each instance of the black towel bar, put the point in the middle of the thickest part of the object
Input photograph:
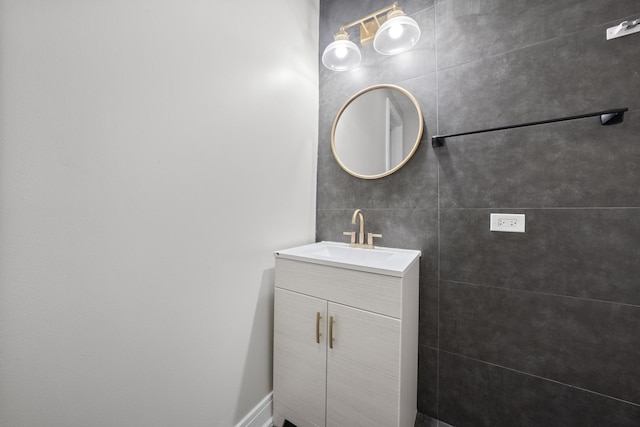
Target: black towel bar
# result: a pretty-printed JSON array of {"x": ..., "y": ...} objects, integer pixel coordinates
[{"x": 607, "y": 117}]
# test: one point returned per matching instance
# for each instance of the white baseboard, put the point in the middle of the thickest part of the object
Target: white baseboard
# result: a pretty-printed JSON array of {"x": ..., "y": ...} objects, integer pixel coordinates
[{"x": 261, "y": 415}]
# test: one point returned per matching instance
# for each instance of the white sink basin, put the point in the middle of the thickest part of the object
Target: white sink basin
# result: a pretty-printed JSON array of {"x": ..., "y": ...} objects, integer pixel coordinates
[{"x": 389, "y": 261}]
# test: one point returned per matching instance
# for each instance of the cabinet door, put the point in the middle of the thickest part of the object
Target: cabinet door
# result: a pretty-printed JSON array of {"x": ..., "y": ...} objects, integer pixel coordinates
[
  {"x": 363, "y": 369},
  {"x": 299, "y": 361}
]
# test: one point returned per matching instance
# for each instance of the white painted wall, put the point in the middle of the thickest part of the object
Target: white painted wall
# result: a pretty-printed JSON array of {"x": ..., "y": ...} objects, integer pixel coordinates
[
  {"x": 153, "y": 155},
  {"x": 362, "y": 149}
]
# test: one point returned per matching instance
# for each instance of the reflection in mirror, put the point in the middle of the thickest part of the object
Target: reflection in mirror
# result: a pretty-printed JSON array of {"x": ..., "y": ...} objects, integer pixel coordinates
[{"x": 377, "y": 131}]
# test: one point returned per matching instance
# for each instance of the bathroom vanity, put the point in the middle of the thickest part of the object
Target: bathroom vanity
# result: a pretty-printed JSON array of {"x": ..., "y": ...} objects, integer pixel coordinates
[{"x": 345, "y": 336}]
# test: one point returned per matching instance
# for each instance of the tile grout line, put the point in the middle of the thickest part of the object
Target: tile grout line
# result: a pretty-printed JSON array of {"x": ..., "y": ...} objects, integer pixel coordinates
[
  {"x": 435, "y": 41},
  {"x": 558, "y": 208},
  {"x": 542, "y": 378},
  {"x": 571, "y": 34},
  {"x": 541, "y": 293}
]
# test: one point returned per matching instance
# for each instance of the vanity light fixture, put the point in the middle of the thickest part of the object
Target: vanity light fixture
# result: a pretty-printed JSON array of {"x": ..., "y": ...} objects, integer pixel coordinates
[{"x": 391, "y": 30}]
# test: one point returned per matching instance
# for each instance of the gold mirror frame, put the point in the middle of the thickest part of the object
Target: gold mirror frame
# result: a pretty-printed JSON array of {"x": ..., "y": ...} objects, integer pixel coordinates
[{"x": 411, "y": 153}]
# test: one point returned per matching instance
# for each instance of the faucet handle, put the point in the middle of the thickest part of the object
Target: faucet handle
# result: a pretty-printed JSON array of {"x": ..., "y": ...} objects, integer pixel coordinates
[
  {"x": 370, "y": 237},
  {"x": 352, "y": 234}
]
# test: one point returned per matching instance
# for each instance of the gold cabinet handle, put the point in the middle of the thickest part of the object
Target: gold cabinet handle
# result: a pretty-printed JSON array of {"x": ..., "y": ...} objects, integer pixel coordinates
[
  {"x": 318, "y": 334},
  {"x": 331, "y": 331}
]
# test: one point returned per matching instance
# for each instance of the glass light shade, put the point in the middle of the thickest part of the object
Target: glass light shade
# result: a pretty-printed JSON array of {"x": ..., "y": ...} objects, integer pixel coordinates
[
  {"x": 341, "y": 55},
  {"x": 396, "y": 35}
]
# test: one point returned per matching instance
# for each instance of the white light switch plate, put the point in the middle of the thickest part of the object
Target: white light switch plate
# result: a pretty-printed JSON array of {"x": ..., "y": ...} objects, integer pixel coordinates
[{"x": 510, "y": 223}]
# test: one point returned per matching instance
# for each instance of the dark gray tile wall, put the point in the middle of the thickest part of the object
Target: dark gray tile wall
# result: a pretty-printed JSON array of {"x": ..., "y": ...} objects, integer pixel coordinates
[
  {"x": 575, "y": 341},
  {"x": 561, "y": 77},
  {"x": 587, "y": 253},
  {"x": 534, "y": 329},
  {"x": 497, "y": 396}
]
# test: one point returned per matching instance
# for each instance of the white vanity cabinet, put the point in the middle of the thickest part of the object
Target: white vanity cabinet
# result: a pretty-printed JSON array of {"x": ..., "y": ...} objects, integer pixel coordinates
[{"x": 345, "y": 345}]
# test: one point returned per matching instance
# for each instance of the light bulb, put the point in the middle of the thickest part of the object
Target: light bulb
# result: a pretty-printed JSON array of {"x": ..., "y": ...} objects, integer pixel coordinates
[
  {"x": 341, "y": 52},
  {"x": 341, "y": 55},
  {"x": 395, "y": 32}
]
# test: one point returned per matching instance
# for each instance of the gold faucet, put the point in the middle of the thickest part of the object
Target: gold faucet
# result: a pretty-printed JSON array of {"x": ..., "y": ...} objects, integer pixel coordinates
[
  {"x": 362, "y": 242},
  {"x": 359, "y": 215}
]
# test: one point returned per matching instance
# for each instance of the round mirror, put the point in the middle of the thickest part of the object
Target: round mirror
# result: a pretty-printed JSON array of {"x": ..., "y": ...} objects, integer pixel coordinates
[{"x": 377, "y": 131}]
